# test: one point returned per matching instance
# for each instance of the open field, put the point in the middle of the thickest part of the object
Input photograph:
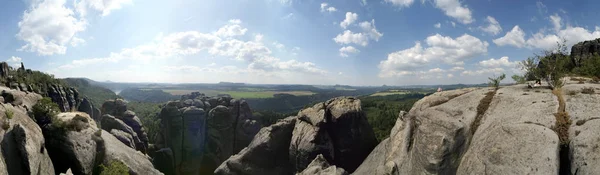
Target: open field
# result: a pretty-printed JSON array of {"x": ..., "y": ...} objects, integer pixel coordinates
[{"x": 255, "y": 93}]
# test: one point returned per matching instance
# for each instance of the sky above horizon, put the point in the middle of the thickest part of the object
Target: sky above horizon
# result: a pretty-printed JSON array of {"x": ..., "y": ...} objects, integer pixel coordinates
[{"x": 350, "y": 42}]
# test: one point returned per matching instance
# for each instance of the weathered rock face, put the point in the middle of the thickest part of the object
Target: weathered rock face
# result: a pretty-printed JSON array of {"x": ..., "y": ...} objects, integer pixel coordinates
[
  {"x": 67, "y": 98},
  {"x": 22, "y": 143},
  {"x": 266, "y": 154},
  {"x": 320, "y": 166},
  {"x": 200, "y": 135},
  {"x": 110, "y": 123},
  {"x": 514, "y": 132},
  {"x": 87, "y": 107},
  {"x": 584, "y": 109},
  {"x": 4, "y": 69},
  {"x": 118, "y": 117},
  {"x": 78, "y": 144},
  {"x": 337, "y": 130},
  {"x": 584, "y": 50}
]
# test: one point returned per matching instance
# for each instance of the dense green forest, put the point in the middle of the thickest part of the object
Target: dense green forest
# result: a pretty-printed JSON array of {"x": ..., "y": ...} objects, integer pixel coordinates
[
  {"x": 96, "y": 94},
  {"x": 147, "y": 95},
  {"x": 382, "y": 111}
]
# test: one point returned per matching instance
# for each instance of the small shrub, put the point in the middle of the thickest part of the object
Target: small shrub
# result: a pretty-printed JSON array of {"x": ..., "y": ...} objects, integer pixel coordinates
[
  {"x": 588, "y": 91},
  {"x": 495, "y": 81},
  {"x": 9, "y": 113},
  {"x": 519, "y": 79},
  {"x": 114, "y": 168},
  {"x": 44, "y": 111}
]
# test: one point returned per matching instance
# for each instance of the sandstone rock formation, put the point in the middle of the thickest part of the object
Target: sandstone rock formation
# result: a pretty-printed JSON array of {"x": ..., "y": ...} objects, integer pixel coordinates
[
  {"x": 584, "y": 50},
  {"x": 78, "y": 144},
  {"x": 116, "y": 116},
  {"x": 22, "y": 143},
  {"x": 203, "y": 131},
  {"x": 320, "y": 166},
  {"x": 513, "y": 130},
  {"x": 337, "y": 130},
  {"x": 89, "y": 108},
  {"x": 67, "y": 98}
]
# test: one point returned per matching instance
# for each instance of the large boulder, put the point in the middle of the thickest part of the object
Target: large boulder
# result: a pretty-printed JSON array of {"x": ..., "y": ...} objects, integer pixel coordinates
[
  {"x": 584, "y": 50},
  {"x": 114, "y": 107},
  {"x": 266, "y": 154},
  {"x": 4, "y": 69},
  {"x": 584, "y": 110},
  {"x": 87, "y": 107},
  {"x": 22, "y": 144},
  {"x": 320, "y": 166},
  {"x": 219, "y": 141},
  {"x": 72, "y": 143},
  {"x": 244, "y": 126},
  {"x": 110, "y": 123},
  {"x": 337, "y": 130},
  {"x": 135, "y": 123},
  {"x": 65, "y": 97},
  {"x": 76, "y": 143}
]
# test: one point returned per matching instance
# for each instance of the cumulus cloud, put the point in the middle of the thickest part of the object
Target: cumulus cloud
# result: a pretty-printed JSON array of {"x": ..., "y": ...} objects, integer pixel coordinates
[
  {"x": 438, "y": 25},
  {"x": 369, "y": 32},
  {"x": 48, "y": 26},
  {"x": 515, "y": 37},
  {"x": 102, "y": 6},
  {"x": 547, "y": 41},
  {"x": 502, "y": 62},
  {"x": 497, "y": 70},
  {"x": 350, "y": 18},
  {"x": 401, "y": 3},
  {"x": 452, "y": 51},
  {"x": 325, "y": 7},
  {"x": 232, "y": 29},
  {"x": 219, "y": 43},
  {"x": 454, "y": 9},
  {"x": 344, "y": 51},
  {"x": 493, "y": 27}
]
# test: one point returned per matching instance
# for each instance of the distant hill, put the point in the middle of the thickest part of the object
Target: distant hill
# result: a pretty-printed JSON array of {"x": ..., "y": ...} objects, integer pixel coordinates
[
  {"x": 147, "y": 95},
  {"x": 92, "y": 90}
]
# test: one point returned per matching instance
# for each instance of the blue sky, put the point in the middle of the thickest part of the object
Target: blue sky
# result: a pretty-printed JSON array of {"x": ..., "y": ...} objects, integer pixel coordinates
[{"x": 354, "y": 42}]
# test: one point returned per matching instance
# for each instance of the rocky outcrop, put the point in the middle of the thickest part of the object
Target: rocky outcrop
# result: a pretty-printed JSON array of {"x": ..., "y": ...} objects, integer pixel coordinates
[
  {"x": 204, "y": 131},
  {"x": 89, "y": 108},
  {"x": 584, "y": 50},
  {"x": 512, "y": 130},
  {"x": 67, "y": 98},
  {"x": 337, "y": 130},
  {"x": 4, "y": 69},
  {"x": 116, "y": 116},
  {"x": 22, "y": 143},
  {"x": 76, "y": 143},
  {"x": 320, "y": 166}
]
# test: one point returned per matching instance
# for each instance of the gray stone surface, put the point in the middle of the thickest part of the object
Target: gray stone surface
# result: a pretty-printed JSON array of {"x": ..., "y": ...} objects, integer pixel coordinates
[{"x": 320, "y": 166}]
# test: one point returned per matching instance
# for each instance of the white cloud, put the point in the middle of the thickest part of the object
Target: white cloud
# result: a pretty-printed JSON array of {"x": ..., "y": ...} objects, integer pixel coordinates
[
  {"x": 438, "y": 25},
  {"x": 369, "y": 32},
  {"x": 103, "y": 6},
  {"x": 401, "y": 3},
  {"x": 457, "y": 68},
  {"x": 515, "y": 37},
  {"x": 454, "y": 9},
  {"x": 483, "y": 71},
  {"x": 344, "y": 51},
  {"x": 369, "y": 29},
  {"x": 556, "y": 22},
  {"x": 493, "y": 27},
  {"x": 502, "y": 62},
  {"x": 453, "y": 24},
  {"x": 326, "y": 7},
  {"x": 542, "y": 9},
  {"x": 232, "y": 29},
  {"x": 441, "y": 49},
  {"x": 48, "y": 26},
  {"x": 349, "y": 37},
  {"x": 254, "y": 52},
  {"x": 350, "y": 18},
  {"x": 258, "y": 37},
  {"x": 14, "y": 59}
]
